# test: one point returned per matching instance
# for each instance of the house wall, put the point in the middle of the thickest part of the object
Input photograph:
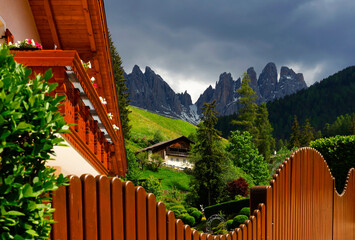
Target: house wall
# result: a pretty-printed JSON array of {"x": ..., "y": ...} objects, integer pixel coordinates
[
  {"x": 23, "y": 25},
  {"x": 178, "y": 162},
  {"x": 69, "y": 161}
]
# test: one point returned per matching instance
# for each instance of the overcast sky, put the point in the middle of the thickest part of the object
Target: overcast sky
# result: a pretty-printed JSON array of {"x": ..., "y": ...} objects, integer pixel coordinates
[{"x": 189, "y": 43}]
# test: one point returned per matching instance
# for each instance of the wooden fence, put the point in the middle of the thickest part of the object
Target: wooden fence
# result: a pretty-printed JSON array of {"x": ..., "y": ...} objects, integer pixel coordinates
[{"x": 300, "y": 203}]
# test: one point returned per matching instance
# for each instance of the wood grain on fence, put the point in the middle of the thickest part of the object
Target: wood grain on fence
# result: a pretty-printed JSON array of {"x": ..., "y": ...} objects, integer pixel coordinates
[{"x": 300, "y": 203}]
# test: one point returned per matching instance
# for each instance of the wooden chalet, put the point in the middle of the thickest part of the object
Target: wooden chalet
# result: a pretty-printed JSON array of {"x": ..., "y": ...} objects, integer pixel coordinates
[
  {"x": 174, "y": 152},
  {"x": 72, "y": 31}
]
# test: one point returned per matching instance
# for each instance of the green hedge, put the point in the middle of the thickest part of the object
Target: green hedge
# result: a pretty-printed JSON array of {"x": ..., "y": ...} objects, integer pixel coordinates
[
  {"x": 339, "y": 152},
  {"x": 227, "y": 208}
]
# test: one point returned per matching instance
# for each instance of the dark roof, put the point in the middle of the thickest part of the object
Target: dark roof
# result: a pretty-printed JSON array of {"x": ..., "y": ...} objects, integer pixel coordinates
[{"x": 165, "y": 143}]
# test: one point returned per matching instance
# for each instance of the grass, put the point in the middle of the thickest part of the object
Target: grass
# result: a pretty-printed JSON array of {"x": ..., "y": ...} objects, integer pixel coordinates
[
  {"x": 145, "y": 123},
  {"x": 170, "y": 178}
]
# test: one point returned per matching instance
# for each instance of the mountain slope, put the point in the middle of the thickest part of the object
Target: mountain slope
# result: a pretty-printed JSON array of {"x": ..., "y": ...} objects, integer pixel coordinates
[
  {"x": 145, "y": 124},
  {"x": 321, "y": 103}
]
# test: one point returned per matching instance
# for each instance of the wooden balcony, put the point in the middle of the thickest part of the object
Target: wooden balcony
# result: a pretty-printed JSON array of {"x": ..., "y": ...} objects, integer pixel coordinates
[{"x": 93, "y": 134}]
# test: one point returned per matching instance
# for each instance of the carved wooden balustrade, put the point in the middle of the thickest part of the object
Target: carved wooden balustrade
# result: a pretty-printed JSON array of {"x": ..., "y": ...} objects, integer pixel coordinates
[{"x": 92, "y": 134}]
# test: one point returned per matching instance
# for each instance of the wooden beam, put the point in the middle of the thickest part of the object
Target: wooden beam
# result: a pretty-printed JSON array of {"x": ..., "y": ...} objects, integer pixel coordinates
[
  {"x": 89, "y": 25},
  {"x": 52, "y": 26}
]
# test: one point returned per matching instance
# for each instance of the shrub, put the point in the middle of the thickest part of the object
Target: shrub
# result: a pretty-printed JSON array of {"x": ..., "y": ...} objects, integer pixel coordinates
[
  {"x": 153, "y": 185},
  {"x": 227, "y": 208},
  {"x": 191, "y": 209},
  {"x": 187, "y": 219},
  {"x": 29, "y": 124},
  {"x": 245, "y": 211},
  {"x": 178, "y": 210},
  {"x": 238, "y": 187},
  {"x": 339, "y": 153},
  {"x": 229, "y": 225},
  {"x": 239, "y": 219},
  {"x": 197, "y": 215}
]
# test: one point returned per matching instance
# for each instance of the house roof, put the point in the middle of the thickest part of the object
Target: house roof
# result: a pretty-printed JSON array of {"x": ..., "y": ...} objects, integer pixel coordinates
[{"x": 164, "y": 144}]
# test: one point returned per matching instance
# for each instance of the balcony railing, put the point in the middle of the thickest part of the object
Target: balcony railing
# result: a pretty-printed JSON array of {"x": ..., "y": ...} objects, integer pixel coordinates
[{"x": 93, "y": 134}]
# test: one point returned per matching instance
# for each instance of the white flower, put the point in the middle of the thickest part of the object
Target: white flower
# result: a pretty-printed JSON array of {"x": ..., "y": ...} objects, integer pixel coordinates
[
  {"x": 33, "y": 43},
  {"x": 110, "y": 116},
  {"x": 115, "y": 127},
  {"x": 92, "y": 79},
  {"x": 103, "y": 100},
  {"x": 89, "y": 64},
  {"x": 10, "y": 43}
]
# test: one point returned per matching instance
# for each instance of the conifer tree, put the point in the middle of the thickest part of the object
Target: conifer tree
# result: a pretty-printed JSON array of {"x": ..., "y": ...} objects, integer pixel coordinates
[
  {"x": 264, "y": 141},
  {"x": 207, "y": 154},
  {"x": 122, "y": 94},
  {"x": 295, "y": 135},
  {"x": 307, "y": 134},
  {"x": 247, "y": 113}
]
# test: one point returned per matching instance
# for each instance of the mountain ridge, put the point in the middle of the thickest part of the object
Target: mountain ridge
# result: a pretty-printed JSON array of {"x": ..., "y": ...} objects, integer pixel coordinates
[{"x": 149, "y": 91}]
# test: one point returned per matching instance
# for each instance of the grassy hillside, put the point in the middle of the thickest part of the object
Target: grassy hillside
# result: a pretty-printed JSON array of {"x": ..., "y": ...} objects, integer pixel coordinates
[
  {"x": 170, "y": 178},
  {"x": 145, "y": 124}
]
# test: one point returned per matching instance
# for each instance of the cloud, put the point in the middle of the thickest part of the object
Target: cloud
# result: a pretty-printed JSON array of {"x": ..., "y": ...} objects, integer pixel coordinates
[{"x": 189, "y": 43}]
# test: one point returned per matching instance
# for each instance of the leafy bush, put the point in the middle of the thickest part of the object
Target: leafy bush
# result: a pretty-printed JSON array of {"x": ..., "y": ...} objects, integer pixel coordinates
[
  {"x": 155, "y": 162},
  {"x": 178, "y": 210},
  {"x": 152, "y": 185},
  {"x": 339, "y": 153},
  {"x": 191, "y": 209},
  {"x": 187, "y": 219},
  {"x": 238, "y": 187},
  {"x": 245, "y": 211},
  {"x": 29, "y": 124},
  {"x": 133, "y": 171},
  {"x": 227, "y": 208},
  {"x": 239, "y": 219},
  {"x": 197, "y": 215},
  {"x": 229, "y": 225}
]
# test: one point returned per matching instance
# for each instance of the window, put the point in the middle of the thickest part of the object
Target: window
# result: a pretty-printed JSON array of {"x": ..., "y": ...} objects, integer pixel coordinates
[
  {"x": 184, "y": 161},
  {"x": 177, "y": 159}
]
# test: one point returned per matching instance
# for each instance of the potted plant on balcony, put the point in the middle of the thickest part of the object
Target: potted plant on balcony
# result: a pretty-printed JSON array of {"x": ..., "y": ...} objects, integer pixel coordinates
[{"x": 28, "y": 44}]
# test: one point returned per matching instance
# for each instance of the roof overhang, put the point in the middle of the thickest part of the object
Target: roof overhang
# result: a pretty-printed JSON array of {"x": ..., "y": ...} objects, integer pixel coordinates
[{"x": 80, "y": 25}]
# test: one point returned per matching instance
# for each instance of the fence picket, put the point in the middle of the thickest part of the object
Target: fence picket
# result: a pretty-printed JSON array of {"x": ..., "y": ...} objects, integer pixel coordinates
[
  {"x": 59, "y": 202},
  {"x": 89, "y": 207},
  {"x": 161, "y": 221},
  {"x": 104, "y": 207},
  {"x": 141, "y": 212},
  {"x": 129, "y": 210},
  {"x": 117, "y": 209},
  {"x": 152, "y": 217},
  {"x": 75, "y": 211}
]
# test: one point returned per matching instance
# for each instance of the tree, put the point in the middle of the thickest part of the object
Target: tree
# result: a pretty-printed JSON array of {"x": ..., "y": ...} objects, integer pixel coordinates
[
  {"x": 133, "y": 171},
  {"x": 122, "y": 94},
  {"x": 264, "y": 141},
  {"x": 248, "y": 112},
  {"x": 307, "y": 134},
  {"x": 246, "y": 156},
  {"x": 142, "y": 159},
  {"x": 295, "y": 135},
  {"x": 155, "y": 162},
  {"x": 206, "y": 182}
]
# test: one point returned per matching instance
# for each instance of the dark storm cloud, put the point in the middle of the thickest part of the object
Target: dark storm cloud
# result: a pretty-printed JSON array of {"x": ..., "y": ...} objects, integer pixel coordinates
[{"x": 191, "y": 42}]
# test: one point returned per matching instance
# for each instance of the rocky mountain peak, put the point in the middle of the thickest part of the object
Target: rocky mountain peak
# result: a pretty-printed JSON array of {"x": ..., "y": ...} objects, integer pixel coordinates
[
  {"x": 151, "y": 92},
  {"x": 267, "y": 80}
]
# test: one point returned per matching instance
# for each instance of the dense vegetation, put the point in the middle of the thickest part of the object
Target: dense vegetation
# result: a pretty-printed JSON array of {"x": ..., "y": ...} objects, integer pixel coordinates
[
  {"x": 339, "y": 152},
  {"x": 321, "y": 103}
]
